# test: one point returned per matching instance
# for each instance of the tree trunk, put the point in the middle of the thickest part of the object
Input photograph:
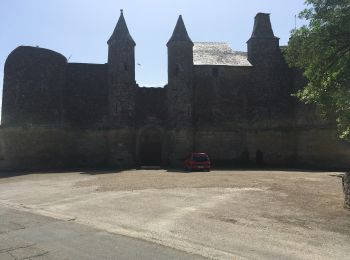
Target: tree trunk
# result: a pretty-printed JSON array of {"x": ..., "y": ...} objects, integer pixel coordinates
[{"x": 346, "y": 189}]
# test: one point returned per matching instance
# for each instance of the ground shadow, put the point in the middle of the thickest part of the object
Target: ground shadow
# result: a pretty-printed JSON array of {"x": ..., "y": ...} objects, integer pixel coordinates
[
  {"x": 111, "y": 170},
  {"x": 104, "y": 171},
  {"x": 176, "y": 170},
  {"x": 9, "y": 174},
  {"x": 80, "y": 170},
  {"x": 262, "y": 168}
]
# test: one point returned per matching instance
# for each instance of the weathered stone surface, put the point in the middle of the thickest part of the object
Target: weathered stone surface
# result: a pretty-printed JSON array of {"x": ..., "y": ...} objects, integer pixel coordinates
[
  {"x": 235, "y": 106},
  {"x": 85, "y": 100},
  {"x": 34, "y": 79}
]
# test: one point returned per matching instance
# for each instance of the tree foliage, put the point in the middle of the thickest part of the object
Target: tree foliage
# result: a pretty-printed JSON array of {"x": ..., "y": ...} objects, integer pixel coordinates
[{"x": 322, "y": 50}]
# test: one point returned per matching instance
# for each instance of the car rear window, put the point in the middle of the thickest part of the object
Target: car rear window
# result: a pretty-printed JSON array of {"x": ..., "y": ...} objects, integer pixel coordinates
[{"x": 200, "y": 158}]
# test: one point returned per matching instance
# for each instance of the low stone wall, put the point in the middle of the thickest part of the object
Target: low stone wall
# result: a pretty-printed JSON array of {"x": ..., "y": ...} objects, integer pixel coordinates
[
  {"x": 346, "y": 188},
  {"x": 321, "y": 148},
  {"x": 39, "y": 148},
  {"x": 223, "y": 147},
  {"x": 272, "y": 147},
  {"x": 284, "y": 147}
]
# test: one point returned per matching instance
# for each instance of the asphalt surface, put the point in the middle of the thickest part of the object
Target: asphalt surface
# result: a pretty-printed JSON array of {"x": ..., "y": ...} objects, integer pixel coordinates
[{"x": 24, "y": 235}]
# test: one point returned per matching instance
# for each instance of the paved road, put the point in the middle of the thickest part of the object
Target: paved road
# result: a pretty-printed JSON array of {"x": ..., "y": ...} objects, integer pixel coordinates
[{"x": 25, "y": 235}]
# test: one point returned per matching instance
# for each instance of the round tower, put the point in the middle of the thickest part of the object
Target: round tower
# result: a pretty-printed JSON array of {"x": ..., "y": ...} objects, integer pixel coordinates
[{"x": 34, "y": 81}]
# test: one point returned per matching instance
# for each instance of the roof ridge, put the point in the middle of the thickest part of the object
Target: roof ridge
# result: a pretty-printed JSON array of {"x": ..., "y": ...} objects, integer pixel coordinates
[{"x": 213, "y": 42}]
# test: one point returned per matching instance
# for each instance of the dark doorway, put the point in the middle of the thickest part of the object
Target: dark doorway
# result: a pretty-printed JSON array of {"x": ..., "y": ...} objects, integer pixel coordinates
[{"x": 150, "y": 148}]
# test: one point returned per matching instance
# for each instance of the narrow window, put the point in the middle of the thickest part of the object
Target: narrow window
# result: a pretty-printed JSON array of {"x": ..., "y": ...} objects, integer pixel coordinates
[{"x": 125, "y": 67}]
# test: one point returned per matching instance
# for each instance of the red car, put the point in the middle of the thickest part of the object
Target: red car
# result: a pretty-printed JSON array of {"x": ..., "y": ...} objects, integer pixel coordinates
[{"x": 198, "y": 161}]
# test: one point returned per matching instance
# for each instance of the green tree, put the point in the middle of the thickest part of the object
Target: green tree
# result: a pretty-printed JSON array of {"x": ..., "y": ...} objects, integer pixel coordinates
[{"x": 322, "y": 50}]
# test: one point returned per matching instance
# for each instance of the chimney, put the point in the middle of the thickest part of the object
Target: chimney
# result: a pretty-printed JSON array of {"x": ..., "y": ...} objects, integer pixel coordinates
[
  {"x": 262, "y": 26},
  {"x": 263, "y": 46}
]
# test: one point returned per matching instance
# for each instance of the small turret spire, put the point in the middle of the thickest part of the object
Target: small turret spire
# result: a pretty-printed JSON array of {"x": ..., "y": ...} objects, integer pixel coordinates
[
  {"x": 180, "y": 33},
  {"x": 121, "y": 32}
]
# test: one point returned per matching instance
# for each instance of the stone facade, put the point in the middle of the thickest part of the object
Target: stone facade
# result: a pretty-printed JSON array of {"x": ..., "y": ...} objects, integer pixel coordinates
[{"x": 236, "y": 106}]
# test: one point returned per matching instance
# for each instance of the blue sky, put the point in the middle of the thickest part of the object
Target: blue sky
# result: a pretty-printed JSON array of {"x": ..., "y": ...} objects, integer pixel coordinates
[{"x": 79, "y": 29}]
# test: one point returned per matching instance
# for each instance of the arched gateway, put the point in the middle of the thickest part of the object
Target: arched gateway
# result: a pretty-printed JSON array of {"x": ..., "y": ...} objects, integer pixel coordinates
[{"x": 149, "y": 147}]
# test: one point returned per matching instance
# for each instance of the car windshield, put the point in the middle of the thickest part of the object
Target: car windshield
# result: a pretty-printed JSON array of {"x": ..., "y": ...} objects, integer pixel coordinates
[{"x": 200, "y": 158}]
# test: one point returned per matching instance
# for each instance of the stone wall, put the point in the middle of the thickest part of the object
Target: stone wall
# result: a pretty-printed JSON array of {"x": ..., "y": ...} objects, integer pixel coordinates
[
  {"x": 179, "y": 144},
  {"x": 224, "y": 147},
  {"x": 33, "y": 86},
  {"x": 29, "y": 148},
  {"x": 220, "y": 94},
  {"x": 322, "y": 148},
  {"x": 85, "y": 95},
  {"x": 151, "y": 105},
  {"x": 240, "y": 146},
  {"x": 269, "y": 101},
  {"x": 276, "y": 145},
  {"x": 39, "y": 148},
  {"x": 60, "y": 115},
  {"x": 122, "y": 147}
]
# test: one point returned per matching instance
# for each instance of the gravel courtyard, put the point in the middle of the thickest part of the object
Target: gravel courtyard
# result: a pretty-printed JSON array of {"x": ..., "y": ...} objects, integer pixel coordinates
[{"x": 240, "y": 214}]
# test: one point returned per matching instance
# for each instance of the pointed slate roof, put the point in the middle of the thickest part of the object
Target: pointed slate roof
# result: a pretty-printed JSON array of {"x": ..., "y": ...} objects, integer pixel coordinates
[
  {"x": 180, "y": 33},
  {"x": 121, "y": 32}
]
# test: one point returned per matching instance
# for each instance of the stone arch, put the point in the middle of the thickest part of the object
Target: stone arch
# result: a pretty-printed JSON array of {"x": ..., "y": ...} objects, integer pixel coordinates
[{"x": 150, "y": 146}]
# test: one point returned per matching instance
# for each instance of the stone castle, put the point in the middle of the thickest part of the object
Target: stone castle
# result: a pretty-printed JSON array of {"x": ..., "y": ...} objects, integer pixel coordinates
[{"x": 236, "y": 106}]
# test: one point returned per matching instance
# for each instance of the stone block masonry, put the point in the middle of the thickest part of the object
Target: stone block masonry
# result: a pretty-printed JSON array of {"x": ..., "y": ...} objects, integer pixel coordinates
[{"x": 236, "y": 106}]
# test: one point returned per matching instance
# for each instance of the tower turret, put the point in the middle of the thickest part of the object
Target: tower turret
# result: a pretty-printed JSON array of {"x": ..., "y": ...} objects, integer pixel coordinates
[
  {"x": 180, "y": 93},
  {"x": 180, "y": 73},
  {"x": 121, "y": 72},
  {"x": 263, "y": 46}
]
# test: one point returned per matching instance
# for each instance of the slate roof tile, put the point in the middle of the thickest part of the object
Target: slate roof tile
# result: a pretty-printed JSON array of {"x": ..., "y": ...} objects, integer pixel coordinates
[{"x": 218, "y": 53}]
